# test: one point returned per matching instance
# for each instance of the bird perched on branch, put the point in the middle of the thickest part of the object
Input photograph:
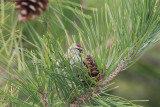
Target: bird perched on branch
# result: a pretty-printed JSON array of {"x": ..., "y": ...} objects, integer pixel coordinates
[{"x": 75, "y": 55}]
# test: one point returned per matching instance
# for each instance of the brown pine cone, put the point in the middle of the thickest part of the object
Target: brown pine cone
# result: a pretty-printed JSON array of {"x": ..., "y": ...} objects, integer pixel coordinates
[
  {"x": 30, "y": 8},
  {"x": 92, "y": 68}
]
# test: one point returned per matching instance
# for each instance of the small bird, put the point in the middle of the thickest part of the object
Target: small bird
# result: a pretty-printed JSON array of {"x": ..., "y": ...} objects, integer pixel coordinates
[
  {"x": 75, "y": 54},
  {"x": 76, "y": 57}
]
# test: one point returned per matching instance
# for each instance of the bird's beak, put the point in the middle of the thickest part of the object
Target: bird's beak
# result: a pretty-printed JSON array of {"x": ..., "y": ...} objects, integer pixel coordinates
[{"x": 81, "y": 53}]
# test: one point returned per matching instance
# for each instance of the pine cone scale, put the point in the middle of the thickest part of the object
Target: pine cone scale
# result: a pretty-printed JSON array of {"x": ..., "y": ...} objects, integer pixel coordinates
[
  {"x": 32, "y": 8},
  {"x": 23, "y": 12},
  {"x": 41, "y": 5},
  {"x": 34, "y": 1}
]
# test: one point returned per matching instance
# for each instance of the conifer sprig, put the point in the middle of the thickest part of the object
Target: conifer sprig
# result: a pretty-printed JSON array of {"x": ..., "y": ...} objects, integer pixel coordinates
[{"x": 128, "y": 27}]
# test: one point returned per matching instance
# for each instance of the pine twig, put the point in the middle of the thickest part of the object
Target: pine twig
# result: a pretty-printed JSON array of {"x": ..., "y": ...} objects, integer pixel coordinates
[
  {"x": 88, "y": 96},
  {"x": 119, "y": 68},
  {"x": 43, "y": 97},
  {"x": 83, "y": 98}
]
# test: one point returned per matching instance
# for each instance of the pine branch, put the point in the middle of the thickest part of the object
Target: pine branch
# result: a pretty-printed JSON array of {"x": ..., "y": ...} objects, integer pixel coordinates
[
  {"x": 119, "y": 68},
  {"x": 43, "y": 97},
  {"x": 88, "y": 96},
  {"x": 93, "y": 35}
]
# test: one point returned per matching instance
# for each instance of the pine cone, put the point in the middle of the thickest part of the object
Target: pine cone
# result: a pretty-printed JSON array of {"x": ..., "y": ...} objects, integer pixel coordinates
[
  {"x": 92, "y": 68},
  {"x": 30, "y": 8}
]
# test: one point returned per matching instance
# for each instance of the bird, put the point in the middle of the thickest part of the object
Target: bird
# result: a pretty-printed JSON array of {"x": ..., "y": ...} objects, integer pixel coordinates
[
  {"x": 76, "y": 57},
  {"x": 75, "y": 54},
  {"x": 73, "y": 58}
]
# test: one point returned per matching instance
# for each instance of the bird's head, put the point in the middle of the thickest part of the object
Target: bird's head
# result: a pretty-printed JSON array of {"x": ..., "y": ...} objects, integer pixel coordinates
[
  {"x": 76, "y": 49},
  {"x": 75, "y": 53}
]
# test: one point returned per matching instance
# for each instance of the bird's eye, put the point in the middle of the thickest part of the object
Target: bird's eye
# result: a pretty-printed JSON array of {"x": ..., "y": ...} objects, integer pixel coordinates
[{"x": 80, "y": 49}]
